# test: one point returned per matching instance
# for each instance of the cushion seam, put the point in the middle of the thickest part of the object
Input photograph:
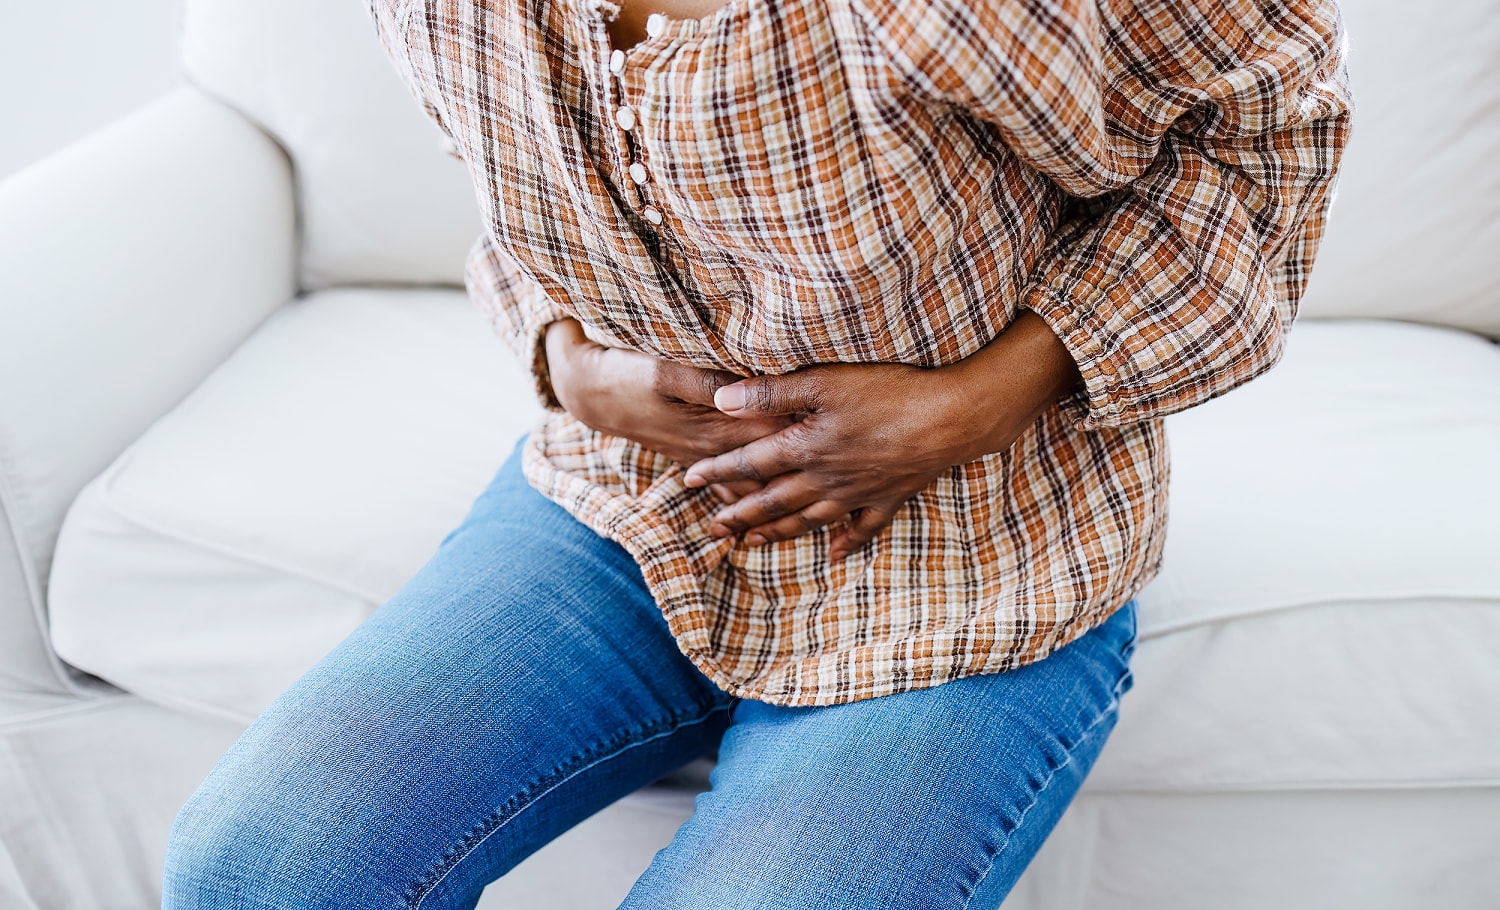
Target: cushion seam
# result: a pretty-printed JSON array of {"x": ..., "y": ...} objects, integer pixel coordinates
[
  {"x": 1304, "y": 786},
  {"x": 1185, "y": 624}
]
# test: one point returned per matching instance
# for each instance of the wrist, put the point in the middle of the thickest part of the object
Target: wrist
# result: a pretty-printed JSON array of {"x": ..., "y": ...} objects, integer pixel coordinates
[{"x": 1005, "y": 386}]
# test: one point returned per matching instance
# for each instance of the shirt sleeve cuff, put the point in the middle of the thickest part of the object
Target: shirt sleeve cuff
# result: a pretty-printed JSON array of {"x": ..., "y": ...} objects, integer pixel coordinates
[
  {"x": 535, "y": 346},
  {"x": 1098, "y": 403}
]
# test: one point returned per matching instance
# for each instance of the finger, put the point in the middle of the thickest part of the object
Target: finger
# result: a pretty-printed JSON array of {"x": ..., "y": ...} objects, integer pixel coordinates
[
  {"x": 780, "y": 498},
  {"x": 731, "y": 493},
  {"x": 819, "y": 514},
  {"x": 689, "y": 433},
  {"x": 761, "y": 460},
  {"x": 567, "y": 331},
  {"x": 725, "y": 433},
  {"x": 762, "y": 396},
  {"x": 867, "y": 524},
  {"x": 688, "y": 383}
]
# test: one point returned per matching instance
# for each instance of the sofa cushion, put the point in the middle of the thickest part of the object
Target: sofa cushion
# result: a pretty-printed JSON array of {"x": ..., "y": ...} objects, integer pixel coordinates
[
  {"x": 380, "y": 199},
  {"x": 1362, "y": 469},
  {"x": 186, "y": 212},
  {"x": 1416, "y": 226},
  {"x": 252, "y": 528},
  {"x": 1329, "y": 609}
]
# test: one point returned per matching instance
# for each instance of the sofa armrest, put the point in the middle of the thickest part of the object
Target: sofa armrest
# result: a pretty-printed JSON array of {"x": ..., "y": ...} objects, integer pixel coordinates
[{"x": 131, "y": 264}]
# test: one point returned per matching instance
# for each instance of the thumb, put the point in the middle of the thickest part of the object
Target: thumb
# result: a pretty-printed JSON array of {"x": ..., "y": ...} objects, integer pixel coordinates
[
  {"x": 768, "y": 396},
  {"x": 690, "y": 384}
]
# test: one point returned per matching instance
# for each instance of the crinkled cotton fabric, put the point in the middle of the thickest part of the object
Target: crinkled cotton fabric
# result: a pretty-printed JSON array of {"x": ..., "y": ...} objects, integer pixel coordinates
[{"x": 793, "y": 182}]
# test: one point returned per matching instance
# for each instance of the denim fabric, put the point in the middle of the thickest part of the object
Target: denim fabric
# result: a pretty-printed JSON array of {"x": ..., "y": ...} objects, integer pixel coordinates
[{"x": 524, "y": 679}]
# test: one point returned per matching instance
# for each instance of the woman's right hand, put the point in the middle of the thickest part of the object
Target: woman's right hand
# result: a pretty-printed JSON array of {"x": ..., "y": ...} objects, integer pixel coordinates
[{"x": 665, "y": 407}]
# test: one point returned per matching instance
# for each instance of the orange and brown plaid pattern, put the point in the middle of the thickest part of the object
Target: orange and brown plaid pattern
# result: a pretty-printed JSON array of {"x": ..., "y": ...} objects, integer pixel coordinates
[{"x": 792, "y": 182}]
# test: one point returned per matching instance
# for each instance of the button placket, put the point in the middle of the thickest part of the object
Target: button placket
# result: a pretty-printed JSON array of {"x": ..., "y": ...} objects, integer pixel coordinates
[
  {"x": 602, "y": 64},
  {"x": 626, "y": 120}
]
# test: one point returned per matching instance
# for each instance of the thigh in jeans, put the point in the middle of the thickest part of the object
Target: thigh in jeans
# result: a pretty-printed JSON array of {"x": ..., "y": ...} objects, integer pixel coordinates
[
  {"x": 934, "y": 799},
  {"x": 522, "y": 681}
]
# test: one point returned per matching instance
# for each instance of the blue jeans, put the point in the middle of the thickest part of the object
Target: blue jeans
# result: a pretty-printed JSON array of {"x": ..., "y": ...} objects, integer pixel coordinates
[{"x": 524, "y": 679}]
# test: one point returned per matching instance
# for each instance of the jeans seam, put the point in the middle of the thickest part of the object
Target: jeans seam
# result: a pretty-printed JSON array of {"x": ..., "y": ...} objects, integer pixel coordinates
[
  {"x": 498, "y": 820},
  {"x": 1112, "y": 707}
]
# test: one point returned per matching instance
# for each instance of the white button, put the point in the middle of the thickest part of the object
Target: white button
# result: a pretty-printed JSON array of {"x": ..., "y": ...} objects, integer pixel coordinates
[
  {"x": 617, "y": 62},
  {"x": 656, "y": 23},
  {"x": 638, "y": 173},
  {"x": 652, "y": 214},
  {"x": 625, "y": 117}
]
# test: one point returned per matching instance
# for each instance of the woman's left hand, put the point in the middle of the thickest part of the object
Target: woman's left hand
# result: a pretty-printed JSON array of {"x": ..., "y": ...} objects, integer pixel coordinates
[{"x": 874, "y": 435}]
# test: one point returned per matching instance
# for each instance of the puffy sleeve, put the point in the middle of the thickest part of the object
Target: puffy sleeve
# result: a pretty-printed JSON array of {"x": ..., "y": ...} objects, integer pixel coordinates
[
  {"x": 1197, "y": 143},
  {"x": 415, "y": 37},
  {"x": 518, "y": 310}
]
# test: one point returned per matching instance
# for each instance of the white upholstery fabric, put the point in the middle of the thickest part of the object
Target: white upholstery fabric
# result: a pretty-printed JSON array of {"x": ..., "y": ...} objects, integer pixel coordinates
[
  {"x": 28, "y": 662},
  {"x": 297, "y": 489},
  {"x": 1360, "y": 470},
  {"x": 130, "y": 265},
  {"x": 1347, "y": 506},
  {"x": 380, "y": 200},
  {"x": 1308, "y": 850},
  {"x": 251, "y": 529},
  {"x": 1415, "y": 232},
  {"x": 88, "y": 791},
  {"x": 1347, "y": 696}
]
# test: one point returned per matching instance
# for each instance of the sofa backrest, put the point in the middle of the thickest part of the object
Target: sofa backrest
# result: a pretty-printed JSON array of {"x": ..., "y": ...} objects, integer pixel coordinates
[
  {"x": 380, "y": 201},
  {"x": 1415, "y": 233}
]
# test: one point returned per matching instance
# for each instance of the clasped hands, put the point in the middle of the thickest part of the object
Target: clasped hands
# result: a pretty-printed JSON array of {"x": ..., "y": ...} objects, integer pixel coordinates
[{"x": 838, "y": 444}]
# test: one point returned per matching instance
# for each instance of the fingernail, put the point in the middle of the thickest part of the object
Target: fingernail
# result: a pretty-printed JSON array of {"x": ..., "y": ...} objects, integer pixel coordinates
[
  {"x": 719, "y": 530},
  {"x": 693, "y": 480},
  {"x": 730, "y": 398},
  {"x": 755, "y": 540}
]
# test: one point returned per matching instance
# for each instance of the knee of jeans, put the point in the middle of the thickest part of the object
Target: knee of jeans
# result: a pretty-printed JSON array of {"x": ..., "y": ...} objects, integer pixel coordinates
[
  {"x": 246, "y": 848},
  {"x": 207, "y": 855},
  {"x": 218, "y": 855}
]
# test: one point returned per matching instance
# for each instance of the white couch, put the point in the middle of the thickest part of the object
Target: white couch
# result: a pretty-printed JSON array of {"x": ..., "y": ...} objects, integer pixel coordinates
[{"x": 242, "y": 398}]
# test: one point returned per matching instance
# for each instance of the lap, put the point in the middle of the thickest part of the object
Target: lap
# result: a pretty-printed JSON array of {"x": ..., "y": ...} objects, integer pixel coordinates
[
  {"x": 525, "y": 679},
  {"x": 934, "y": 798}
]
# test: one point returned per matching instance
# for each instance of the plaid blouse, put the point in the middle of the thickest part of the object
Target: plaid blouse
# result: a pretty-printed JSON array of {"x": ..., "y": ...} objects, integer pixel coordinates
[{"x": 794, "y": 182}]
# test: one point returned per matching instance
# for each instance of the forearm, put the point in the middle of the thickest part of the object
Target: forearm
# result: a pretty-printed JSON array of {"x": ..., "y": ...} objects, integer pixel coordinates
[
  {"x": 1005, "y": 386},
  {"x": 973, "y": 408}
]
